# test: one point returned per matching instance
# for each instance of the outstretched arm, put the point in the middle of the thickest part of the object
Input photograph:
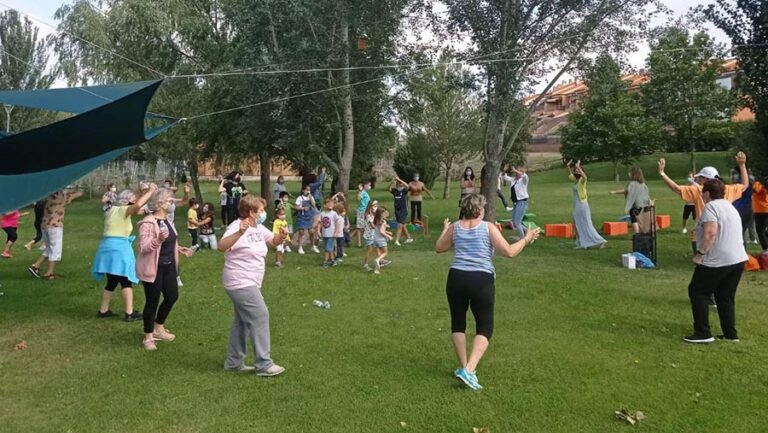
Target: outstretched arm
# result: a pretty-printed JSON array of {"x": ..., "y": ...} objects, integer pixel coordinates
[{"x": 511, "y": 250}]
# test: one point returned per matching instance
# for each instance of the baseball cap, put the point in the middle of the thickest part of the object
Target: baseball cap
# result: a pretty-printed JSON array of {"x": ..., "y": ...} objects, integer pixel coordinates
[{"x": 708, "y": 172}]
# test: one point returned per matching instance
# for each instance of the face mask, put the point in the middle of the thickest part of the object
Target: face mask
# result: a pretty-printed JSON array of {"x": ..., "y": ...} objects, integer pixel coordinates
[
  {"x": 113, "y": 189},
  {"x": 172, "y": 207},
  {"x": 367, "y": 187},
  {"x": 205, "y": 209},
  {"x": 262, "y": 217},
  {"x": 468, "y": 173},
  {"x": 416, "y": 178},
  {"x": 305, "y": 193},
  {"x": 400, "y": 188},
  {"x": 167, "y": 185},
  {"x": 280, "y": 181}
]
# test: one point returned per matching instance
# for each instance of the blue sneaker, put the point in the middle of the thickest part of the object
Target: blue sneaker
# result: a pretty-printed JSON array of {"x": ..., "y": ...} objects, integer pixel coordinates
[{"x": 469, "y": 379}]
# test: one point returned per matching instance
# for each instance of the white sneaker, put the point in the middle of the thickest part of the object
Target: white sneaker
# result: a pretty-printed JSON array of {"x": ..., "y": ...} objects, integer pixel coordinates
[
  {"x": 301, "y": 250},
  {"x": 178, "y": 282},
  {"x": 754, "y": 241},
  {"x": 288, "y": 249},
  {"x": 271, "y": 371},
  {"x": 314, "y": 249},
  {"x": 397, "y": 243},
  {"x": 366, "y": 267},
  {"x": 409, "y": 240},
  {"x": 684, "y": 231}
]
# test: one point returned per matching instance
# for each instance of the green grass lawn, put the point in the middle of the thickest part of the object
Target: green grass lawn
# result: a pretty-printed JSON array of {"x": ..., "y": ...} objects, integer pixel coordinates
[{"x": 577, "y": 337}]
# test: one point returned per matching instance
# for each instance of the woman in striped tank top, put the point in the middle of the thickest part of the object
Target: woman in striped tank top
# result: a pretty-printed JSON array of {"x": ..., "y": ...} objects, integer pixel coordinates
[{"x": 471, "y": 279}]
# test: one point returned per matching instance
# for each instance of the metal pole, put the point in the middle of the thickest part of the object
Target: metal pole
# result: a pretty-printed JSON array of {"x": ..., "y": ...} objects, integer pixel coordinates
[{"x": 8, "y": 109}]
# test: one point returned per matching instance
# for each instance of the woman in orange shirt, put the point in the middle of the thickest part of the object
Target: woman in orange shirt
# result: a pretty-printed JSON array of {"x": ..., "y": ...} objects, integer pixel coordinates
[{"x": 760, "y": 208}]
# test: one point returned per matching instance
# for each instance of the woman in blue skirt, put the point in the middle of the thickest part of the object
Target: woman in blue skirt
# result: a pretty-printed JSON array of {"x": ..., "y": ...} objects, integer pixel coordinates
[
  {"x": 586, "y": 235},
  {"x": 114, "y": 258}
]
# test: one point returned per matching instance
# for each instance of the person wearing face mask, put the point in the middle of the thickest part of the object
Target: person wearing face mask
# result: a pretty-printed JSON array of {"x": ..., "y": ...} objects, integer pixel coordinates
[
  {"x": 305, "y": 211},
  {"x": 719, "y": 261},
  {"x": 472, "y": 278},
  {"x": 369, "y": 233},
  {"x": 245, "y": 245},
  {"x": 279, "y": 189},
  {"x": 157, "y": 267},
  {"x": 363, "y": 198},
  {"x": 400, "y": 195},
  {"x": 207, "y": 227},
  {"x": 114, "y": 258},
  {"x": 233, "y": 186},
  {"x": 467, "y": 184},
  {"x": 109, "y": 197},
  {"x": 416, "y": 188}
]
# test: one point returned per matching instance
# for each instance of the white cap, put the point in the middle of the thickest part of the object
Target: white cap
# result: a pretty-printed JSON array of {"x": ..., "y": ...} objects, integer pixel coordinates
[{"x": 708, "y": 172}]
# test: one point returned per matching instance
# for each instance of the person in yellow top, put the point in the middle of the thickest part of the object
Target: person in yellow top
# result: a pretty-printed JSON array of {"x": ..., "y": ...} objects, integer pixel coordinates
[
  {"x": 277, "y": 226},
  {"x": 192, "y": 222},
  {"x": 114, "y": 258},
  {"x": 692, "y": 193}
]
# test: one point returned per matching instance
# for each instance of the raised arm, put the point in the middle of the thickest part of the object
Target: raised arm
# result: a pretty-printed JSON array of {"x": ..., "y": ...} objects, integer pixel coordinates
[
  {"x": 741, "y": 161},
  {"x": 135, "y": 208},
  {"x": 667, "y": 180},
  {"x": 221, "y": 186},
  {"x": 445, "y": 241}
]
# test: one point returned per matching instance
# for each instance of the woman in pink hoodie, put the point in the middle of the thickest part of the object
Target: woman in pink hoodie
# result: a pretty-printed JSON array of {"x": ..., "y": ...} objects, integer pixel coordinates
[{"x": 157, "y": 266}]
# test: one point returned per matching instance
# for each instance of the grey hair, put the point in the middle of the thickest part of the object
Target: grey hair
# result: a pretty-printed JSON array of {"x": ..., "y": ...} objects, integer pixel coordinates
[
  {"x": 472, "y": 206},
  {"x": 157, "y": 199},
  {"x": 125, "y": 197}
]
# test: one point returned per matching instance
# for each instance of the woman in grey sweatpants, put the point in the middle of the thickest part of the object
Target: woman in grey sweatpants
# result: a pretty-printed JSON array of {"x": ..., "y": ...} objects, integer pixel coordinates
[{"x": 245, "y": 245}]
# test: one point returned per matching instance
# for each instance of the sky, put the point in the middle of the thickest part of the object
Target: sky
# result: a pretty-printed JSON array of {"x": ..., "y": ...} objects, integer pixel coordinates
[{"x": 43, "y": 11}]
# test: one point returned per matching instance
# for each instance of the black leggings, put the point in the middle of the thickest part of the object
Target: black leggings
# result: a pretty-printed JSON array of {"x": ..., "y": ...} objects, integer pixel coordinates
[
  {"x": 165, "y": 284},
  {"x": 761, "y": 224},
  {"x": 11, "y": 232},
  {"x": 415, "y": 211},
  {"x": 747, "y": 218},
  {"x": 114, "y": 280},
  {"x": 475, "y": 290}
]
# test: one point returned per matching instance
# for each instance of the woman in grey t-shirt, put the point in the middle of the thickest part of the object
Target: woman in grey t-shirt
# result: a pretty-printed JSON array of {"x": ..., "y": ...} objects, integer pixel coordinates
[{"x": 719, "y": 260}]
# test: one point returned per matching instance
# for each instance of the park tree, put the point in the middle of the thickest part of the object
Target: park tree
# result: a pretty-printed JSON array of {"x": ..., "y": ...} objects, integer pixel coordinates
[
  {"x": 438, "y": 109},
  {"x": 683, "y": 92},
  {"x": 612, "y": 125},
  {"x": 140, "y": 40},
  {"x": 517, "y": 42},
  {"x": 23, "y": 66},
  {"x": 746, "y": 23}
]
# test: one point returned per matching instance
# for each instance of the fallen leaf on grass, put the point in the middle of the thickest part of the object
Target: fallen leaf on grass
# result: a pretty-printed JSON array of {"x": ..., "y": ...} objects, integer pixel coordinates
[
  {"x": 629, "y": 417},
  {"x": 21, "y": 345},
  {"x": 403, "y": 424},
  {"x": 481, "y": 430}
]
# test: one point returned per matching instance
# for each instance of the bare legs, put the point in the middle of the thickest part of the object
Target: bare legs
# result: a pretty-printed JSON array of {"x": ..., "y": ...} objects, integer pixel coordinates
[
  {"x": 106, "y": 298},
  {"x": 479, "y": 346}
]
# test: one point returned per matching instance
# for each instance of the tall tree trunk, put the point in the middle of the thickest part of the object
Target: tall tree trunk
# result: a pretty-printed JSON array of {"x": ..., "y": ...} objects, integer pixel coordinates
[
  {"x": 347, "y": 152},
  {"x": 447, "y": 184},
  {"x": 193, "y": 176},
  {"x": 265, "y": 169},
  {"x": 616, "y": 171},
  {"x": 494, "y": 145}
]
